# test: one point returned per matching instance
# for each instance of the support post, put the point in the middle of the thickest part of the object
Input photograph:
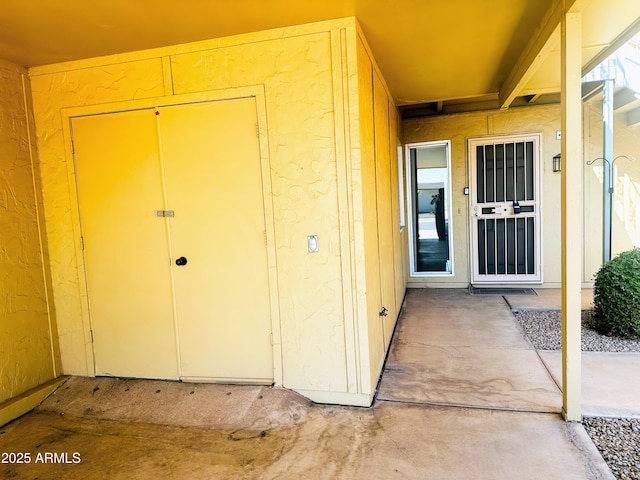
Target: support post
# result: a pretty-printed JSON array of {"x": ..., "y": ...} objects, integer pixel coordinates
[
  {"x": 607, "y": 168},
  {"x": 572, "y": 211}
]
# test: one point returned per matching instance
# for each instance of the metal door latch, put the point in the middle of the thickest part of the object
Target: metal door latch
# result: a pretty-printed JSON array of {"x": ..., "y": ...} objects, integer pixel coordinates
[{"x": 164, "y": 213}]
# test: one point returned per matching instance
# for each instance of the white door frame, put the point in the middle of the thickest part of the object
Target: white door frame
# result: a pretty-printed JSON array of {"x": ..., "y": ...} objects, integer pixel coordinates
[
  {"x": 412, "y": 209},
  {"x": 501, "y": 212}
]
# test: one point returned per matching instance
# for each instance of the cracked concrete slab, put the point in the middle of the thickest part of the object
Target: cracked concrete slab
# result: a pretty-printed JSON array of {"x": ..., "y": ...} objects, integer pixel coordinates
[
  {"x": 507, "y": 379},
  {"x": 141, "y": 429},
  {"x": 390, "y": 440},
  {"x": 610, "y": 382}
]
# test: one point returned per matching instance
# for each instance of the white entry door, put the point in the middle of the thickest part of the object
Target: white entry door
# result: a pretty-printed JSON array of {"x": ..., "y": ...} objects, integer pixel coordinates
[{"x": 505, "y": 210}]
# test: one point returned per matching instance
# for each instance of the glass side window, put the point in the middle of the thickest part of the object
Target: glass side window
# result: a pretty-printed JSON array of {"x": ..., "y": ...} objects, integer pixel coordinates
[{"x": 430, "y": 225}]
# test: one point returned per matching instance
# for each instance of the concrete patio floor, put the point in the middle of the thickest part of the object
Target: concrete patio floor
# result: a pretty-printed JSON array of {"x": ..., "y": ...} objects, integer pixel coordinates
[{"x": 463, "y": 395}]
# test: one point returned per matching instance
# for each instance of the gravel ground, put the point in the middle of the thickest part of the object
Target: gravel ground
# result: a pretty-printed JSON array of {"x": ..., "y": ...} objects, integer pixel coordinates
[
  {"x": 617, "y": 439},
  {"x": 544, "y": 329}
]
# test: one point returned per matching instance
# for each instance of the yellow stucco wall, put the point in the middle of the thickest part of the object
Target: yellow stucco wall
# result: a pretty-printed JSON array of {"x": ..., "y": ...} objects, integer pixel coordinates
[
  {"x": 381, "y": 261},
  {"x": 545, "y": 120},
  {"x": 28, "y": 353},
  {"x": 306, "y": 74}
]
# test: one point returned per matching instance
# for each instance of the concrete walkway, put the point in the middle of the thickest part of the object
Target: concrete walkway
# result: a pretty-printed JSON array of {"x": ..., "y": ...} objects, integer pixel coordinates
[
  {"x": 463, "y": 396},
  {"x": 610, "y": 381},
  {"x": 452, "y": 348}
]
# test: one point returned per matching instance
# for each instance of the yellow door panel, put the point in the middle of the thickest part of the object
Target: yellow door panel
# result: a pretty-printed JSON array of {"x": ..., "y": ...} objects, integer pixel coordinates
[
  {"x": 213, "y": 181},
  {"x": 126, "y": 251},
  {"x": 385, "y": 215}
]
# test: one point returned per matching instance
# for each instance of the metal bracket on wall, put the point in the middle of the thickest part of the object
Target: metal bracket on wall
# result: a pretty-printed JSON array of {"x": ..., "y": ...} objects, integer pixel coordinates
[{"x": 164, "y": 213}]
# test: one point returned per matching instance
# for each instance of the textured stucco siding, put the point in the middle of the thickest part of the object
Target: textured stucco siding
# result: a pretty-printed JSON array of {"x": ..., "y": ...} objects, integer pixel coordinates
[
  {"x": 381, "y": 261},
  {"x": 545, "y": 120},
  {"x": 26, "y": 343},
  {"x": 310, "y": 144}
]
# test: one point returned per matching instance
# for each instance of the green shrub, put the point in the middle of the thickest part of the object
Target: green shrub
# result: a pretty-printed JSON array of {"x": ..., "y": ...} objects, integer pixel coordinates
[{"x": 617, "y": 296}]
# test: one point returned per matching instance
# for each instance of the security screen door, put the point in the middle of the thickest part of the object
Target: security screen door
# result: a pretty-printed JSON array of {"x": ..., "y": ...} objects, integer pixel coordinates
[{"x": 505, "y": 210}]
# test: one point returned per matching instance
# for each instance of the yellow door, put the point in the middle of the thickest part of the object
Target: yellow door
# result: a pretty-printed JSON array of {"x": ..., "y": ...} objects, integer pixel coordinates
[
  {"x": 385, "y": 215},
  {"x": 212, "y": 168},
  {"x": 126, "y": 251}
]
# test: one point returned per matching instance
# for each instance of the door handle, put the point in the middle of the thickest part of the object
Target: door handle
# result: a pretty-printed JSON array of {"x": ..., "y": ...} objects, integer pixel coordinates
[
  {"x": 516, "y": 207},
  {"x": 181, "y": 261}
]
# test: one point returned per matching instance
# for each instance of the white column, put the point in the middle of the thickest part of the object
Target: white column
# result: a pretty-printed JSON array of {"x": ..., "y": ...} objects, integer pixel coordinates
[{"x": 572, "y": 211}]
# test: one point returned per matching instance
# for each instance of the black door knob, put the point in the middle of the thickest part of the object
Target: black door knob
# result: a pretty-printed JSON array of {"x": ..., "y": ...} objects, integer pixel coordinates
[{"x": 181, "y": 261}]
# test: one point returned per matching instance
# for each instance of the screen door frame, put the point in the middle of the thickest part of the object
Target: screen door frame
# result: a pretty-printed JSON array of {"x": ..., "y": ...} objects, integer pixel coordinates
[{"x": 503, "y": 213}]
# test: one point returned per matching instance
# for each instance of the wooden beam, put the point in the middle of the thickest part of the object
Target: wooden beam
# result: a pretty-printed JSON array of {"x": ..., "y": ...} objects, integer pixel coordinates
[
  {"x": 571, "y": 214},
  {"x": 544, "y": 39},
  {"x": 534, "y": 98},
  {"x": 620, "y": 40}
]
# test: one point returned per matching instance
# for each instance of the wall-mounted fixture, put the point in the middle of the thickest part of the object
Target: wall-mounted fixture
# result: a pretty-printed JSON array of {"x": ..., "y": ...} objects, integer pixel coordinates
[
  {"x": 557, "y": 162},
  {"x": 312, "y": 244}
]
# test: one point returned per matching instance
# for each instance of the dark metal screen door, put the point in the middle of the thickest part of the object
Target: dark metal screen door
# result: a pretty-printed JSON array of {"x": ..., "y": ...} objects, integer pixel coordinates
[{"x": 505, "y": 213}]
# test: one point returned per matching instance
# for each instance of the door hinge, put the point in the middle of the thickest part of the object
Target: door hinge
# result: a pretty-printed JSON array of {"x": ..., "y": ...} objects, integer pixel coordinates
[
  {"x": 91, "y": 331},
  {"x": 73, "y": 147},
  {"x": 265, "y": 237},
  {"x": 257, "y": 130},
  {"x": 82, "y": 242}
]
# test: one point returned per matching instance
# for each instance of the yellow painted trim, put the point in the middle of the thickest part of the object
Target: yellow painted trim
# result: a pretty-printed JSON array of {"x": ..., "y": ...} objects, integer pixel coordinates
[
  {"x": 89, "y": 359},
  {"x": 33, "y": 160},
  {"x": 227, "y": 380},
  {"x": 542, "y": 42},
  {"x": 368, "y": 379},
  {"x": 256, "y": 91},
  {"x": 353, "y": 152},
  {"x": 164, "y": 101},
  {"x": 18, "y": 406},
  {"x": 343, "y": 161},
  {"x": 376, "y": 68},
  {"x": 338, "y": 398},
  {"x": 167, "y": 75},
  {"x": 270, "y": 222},
  {"x": 571, "y": 224}
]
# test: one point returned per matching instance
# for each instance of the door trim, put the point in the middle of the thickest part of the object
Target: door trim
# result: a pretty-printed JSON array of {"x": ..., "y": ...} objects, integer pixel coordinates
[
  {"x": 506, "y": 279},
  {"x": 257, "y": 91}
]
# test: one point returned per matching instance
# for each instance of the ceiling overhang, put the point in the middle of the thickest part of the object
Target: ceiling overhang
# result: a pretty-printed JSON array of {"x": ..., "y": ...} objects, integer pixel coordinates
[{"x": 443, "y": 53}]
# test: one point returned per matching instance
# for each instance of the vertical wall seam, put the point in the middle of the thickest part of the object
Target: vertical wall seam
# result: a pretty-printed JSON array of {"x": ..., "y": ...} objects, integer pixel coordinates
[
  {"x": 167, "y": 76},
  {"x": 167, "y": 224},
  {"x": 341, "y": 79},
  {"x": 54, "y": 360},
  {"x": 269, "y": 223}
]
